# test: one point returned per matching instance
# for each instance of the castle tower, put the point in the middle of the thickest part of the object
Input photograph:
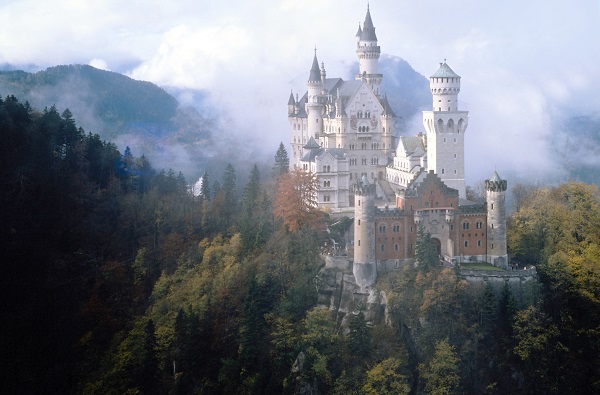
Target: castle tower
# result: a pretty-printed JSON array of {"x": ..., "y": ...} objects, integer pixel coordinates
[
  {"x": 368, "y": 54},
  {"x": 495, "y": 189},
  {"x": 364, "y": 267},
  {"x": 314, "y": 106},
  {"x": 446, "y": 126}
]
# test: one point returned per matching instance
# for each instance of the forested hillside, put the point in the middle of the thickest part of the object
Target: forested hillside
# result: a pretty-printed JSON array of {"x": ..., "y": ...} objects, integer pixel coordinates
[{"x": 117, "y": 279}]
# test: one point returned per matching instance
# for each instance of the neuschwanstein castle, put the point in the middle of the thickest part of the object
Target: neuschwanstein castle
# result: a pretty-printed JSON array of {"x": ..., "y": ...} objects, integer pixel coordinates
[{"x": 344, "y": 132}]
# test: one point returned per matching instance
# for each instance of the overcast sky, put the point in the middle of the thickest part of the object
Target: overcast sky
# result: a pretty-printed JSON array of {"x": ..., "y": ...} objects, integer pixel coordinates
[{"x": 524, "y": 64}]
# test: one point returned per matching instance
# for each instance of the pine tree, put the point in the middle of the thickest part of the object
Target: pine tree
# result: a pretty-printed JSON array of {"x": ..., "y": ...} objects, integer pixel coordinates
[
  {"x": 425, "y": 250},
  {"x": 205, "y": 188},
  {"x": 282, "y": 162},
  {"x": 359, "y": 338},
  {"x": 248, "y": 219},
  {"x": 230, "y": 195}
]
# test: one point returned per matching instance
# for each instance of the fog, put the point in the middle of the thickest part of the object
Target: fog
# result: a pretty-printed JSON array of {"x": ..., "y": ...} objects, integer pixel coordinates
[{"x": 527, "y": 68}]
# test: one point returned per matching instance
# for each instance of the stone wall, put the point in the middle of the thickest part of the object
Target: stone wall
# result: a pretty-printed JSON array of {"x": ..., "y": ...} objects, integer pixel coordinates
[{"x": 523, "y": 284}]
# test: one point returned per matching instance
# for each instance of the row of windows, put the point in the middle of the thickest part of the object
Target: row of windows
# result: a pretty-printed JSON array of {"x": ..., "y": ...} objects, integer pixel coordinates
[
  {"x": 354, "y": 146},
  {"x": 396, "y": 247},
  {"x": 454, "y": 141},
  {"x": 366, "y": 114},
  {"x": 478, "y": 243},
  {"x": 363, "y": 161},
  {"x": 444, "y": 170},
  {"x": 395, "y": 228},
  {"x": 466, "y": 225}
]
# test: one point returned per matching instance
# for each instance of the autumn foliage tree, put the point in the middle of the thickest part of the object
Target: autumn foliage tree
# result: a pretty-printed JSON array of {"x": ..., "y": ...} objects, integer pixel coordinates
[{"x": 296, "y": 200}]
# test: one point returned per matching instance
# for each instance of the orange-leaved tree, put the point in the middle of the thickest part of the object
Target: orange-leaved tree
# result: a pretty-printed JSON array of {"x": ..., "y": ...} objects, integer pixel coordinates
[{"x": 296, "y": 200}]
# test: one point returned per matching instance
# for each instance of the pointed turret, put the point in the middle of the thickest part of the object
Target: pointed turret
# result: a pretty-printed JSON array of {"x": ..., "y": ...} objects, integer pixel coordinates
[
  {"x": 291, "y": 104},
  {"x": 368, "y": 54},
  {"x": 359, "y": 32},
  {"x": 315, "y": 73},
  {"x": 368, "y": 31}
]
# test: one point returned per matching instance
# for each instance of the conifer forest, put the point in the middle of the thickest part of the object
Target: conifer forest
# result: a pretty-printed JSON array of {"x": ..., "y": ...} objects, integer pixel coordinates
[{"x": 119, "y": 278}]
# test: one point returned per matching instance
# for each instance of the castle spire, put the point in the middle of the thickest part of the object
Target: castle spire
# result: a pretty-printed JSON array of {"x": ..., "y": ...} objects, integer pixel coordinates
[
  {"x": 368, "y": 54},
  {"x": 315, "y": 72}
]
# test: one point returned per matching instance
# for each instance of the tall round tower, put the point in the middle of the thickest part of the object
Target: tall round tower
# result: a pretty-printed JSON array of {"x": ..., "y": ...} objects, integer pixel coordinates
[
  {"x": 314, "y": 105},
  {"x": 446, "y": 126},
  {"x": 368, "y": 54},
  {"x": 495, "y": 189},
  {"x": 364, "y": 267}
]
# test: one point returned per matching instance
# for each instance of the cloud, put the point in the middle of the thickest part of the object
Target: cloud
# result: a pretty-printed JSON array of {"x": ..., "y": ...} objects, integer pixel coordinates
[
  {"x": 99, "y": 64},
  {"x": 523, "y": 64}
]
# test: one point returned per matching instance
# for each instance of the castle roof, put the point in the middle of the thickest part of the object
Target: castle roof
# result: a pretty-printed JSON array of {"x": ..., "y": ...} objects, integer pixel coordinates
[
  {"x": 291, "y": 101},
  {"x": 368, "y": 31},
  {"x": 412, "y": 145},
  {"x": 387, "y": 109},
  {"x": 359, "y": 32},
  {"x": 315, "y": 72},
  {"x": 445, "y": 72},
  {"x": 495, "y": 177},
  {"x": 312, "y": 144}
]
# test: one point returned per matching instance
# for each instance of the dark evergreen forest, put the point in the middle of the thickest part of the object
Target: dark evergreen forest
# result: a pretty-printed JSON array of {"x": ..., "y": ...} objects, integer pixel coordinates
[{"x": 119, "y": 279}]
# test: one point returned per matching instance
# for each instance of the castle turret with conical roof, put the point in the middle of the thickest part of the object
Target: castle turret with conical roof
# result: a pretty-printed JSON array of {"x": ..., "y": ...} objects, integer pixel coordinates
[
  {"x": 368, "y": 54},
  {"x": 446, "y": 126},
  {"x": 495, "y": 189},
  {"x": 314, "y": 103},
  {"x": 364, "y": 267}
]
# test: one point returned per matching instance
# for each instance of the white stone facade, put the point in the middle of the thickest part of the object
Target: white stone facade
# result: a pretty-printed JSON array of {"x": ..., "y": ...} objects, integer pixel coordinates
[{"x": 347, "y": 119}]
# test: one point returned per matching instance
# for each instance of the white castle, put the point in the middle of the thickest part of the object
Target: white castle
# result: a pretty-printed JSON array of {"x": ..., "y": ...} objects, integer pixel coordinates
[{"x": 344, "y": 132}]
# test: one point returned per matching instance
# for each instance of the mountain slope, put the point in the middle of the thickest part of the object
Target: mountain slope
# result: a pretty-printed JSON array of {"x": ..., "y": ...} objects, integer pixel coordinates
[{"x": 128, "y": 112}]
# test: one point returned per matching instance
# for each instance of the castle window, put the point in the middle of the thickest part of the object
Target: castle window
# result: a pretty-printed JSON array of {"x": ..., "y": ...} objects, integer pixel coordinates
[
  {"x": 381, "y": 228},
  {"x": 478, "y": 243},
  {"x": 396, "y": 228},
  {"x": 492, "y": 206},
  {"x": 465, "y": 225},
  {"x": 411, "y": 246},
  {"x": 359, "y": 243},
  {"x": 396, "y": 248},
  {"x": 359, "y": 219},
  {"x": 444, "y": 139},
  {"x": 479, "y": 225},
  {"x": 466, "y": 243},
  {"x": 411, "y": 230},
  {"x": 454, "y": 156},
  {"x": 451, "y": 227},
  {"x": 492, "y": 246},
  {"x": 382, "y": 247},
  {"x": 443, "y": 171},
  {"x": 492, "y": 226}
]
